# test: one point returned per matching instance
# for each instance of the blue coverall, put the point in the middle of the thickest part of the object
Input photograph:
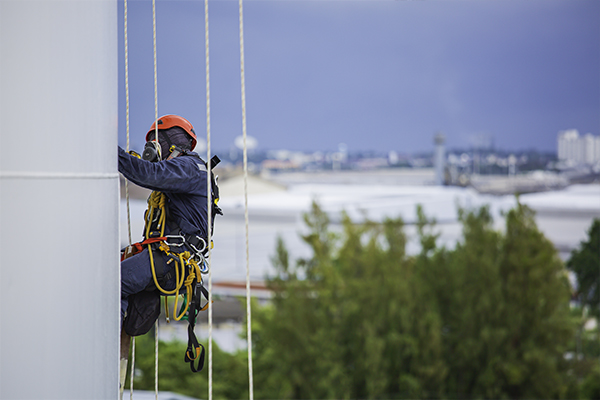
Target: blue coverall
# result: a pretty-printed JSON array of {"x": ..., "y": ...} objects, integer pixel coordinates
[{"x": 183, "y": 181}]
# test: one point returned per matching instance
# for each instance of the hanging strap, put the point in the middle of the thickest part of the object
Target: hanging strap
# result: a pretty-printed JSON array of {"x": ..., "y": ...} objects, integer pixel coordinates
[{"x": 195, "y": 351}]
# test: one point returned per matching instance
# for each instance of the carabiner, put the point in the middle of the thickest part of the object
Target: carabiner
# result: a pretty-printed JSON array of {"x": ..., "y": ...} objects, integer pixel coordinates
[
  {"x": 204, "y": 267},
  {"x": 199, "y": 251},
  {"x": 180, "y": 237}
]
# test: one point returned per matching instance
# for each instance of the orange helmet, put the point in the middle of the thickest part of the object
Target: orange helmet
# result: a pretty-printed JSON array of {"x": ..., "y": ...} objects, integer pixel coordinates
[{"x": 169, "y": 121}]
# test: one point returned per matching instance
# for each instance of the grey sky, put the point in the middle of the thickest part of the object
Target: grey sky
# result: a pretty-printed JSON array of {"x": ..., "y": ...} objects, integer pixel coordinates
[{"x": 376, "y": 75}]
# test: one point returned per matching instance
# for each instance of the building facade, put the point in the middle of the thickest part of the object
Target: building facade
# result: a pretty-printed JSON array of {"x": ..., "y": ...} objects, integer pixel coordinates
[{"x": 575, "y": 149}]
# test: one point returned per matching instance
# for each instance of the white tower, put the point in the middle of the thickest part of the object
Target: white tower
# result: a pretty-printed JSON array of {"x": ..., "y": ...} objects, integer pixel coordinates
[
  {"x": 59, "y": 193},
  {"x": 440, "y": 157}
]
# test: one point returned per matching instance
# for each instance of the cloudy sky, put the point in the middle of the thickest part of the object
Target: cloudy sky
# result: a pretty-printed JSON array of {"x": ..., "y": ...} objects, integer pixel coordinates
[{"x": 375, "y": 75}]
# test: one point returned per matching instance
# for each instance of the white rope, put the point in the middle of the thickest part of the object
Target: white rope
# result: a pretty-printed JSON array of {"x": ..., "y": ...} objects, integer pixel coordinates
[
  {"x": 156, "y": 138},
  {"x": 248, "y": 297},
  {"x": 209, "y": 204},
  {"x": 126, "y": 180},
  {"x": 132, "y": 368},
  {"x": 156, "y": 359},
  {"x": 155, "y": 72},
  {"x": 127, "y": 115}
]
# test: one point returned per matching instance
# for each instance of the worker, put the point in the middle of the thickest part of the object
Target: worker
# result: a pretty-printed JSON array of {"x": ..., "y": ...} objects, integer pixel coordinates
[{"x": 169, "y": 166}]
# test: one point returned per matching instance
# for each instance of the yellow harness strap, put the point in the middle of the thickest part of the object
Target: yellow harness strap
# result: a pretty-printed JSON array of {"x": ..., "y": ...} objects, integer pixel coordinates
[{"x": 157, "y": 202}]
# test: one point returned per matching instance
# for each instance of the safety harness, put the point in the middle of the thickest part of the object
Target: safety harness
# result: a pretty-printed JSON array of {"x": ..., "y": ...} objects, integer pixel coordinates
[{"x": 188, "y": 254}]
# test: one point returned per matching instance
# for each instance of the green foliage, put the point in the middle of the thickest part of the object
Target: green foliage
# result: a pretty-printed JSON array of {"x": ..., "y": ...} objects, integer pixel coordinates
[
  {"x": 536, "y": 297},
  {"x": 590, "y": 388},
  {"x": 585, "y": 263},
  {"x": 362, "y": 319},
  {"x": 347, "y": 323}
]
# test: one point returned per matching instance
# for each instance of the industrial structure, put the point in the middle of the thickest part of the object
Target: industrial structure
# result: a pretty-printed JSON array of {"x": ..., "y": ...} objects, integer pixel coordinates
[{"x": 59, "y": 200}]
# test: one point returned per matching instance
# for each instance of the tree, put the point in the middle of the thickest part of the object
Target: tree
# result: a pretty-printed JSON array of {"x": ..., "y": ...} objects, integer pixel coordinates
[
  {"x": 362, "y": 319},
  {"x": 350, "y": 322},
  {"x": 503, "y": 300},
  {"x": 585, "y": 263},
  {"x": 536, "y": 295},
  {"x": 465, "y": 282}
]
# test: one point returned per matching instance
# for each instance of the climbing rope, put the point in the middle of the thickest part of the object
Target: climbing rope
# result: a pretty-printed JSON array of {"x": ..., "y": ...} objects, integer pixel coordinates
[
  {"x": 156, "y": 359},
  {"x": 132, "y": 368},
  {"x": 155, "y": 73},
  {"x": 209, "y": 201},
  {"x": 248, "y": 306},
  {"x": 127, "y": 116},
  {"x": 156, "y": 138},
  {"x": 132, "y": 340}
]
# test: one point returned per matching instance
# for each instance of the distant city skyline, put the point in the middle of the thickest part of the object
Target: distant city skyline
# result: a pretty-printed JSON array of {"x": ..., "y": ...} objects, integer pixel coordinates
[{"x": 384, "y": 75}]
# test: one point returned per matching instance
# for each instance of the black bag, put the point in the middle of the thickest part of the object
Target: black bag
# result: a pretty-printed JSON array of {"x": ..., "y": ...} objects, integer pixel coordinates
[{"x": 142, "y": 311}]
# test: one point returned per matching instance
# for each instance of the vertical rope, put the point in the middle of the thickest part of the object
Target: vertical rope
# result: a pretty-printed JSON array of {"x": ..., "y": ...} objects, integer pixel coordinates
[
  {"x": 248, "y": 306},
  {"x": 209, "y": 204},
  {"x": 127, "y": 115},
  {"x": 156, "y": 138},
  {"x": 156, "y": 360},
  {"x": 155, "y": 71},
  {"x": 132, "y": 368},
  {"x": 126, "y": 180}
]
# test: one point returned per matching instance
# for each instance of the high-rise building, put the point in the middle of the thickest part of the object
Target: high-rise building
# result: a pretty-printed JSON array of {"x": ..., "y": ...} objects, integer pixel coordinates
[
  {"x": 568, "y": 143},
  {"x": 589, "y": 151},
  {"x": 574, "y": 149}
]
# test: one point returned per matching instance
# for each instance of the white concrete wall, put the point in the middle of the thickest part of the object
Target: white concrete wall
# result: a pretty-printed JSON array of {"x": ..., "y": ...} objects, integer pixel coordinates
[{"x": 59, "y": 244}]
